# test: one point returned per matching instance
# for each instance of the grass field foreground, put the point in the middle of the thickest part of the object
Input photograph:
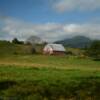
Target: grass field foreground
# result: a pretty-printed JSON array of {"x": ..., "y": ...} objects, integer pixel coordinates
[{"x": 40, "y": 77}]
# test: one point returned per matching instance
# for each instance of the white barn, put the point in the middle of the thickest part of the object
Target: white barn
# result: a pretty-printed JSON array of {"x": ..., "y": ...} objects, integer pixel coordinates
[{"x": 54, "y": 49}]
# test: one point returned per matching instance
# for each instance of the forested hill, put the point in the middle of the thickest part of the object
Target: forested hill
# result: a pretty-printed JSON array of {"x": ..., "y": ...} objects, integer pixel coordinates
[{"x": 77, "y": 42}]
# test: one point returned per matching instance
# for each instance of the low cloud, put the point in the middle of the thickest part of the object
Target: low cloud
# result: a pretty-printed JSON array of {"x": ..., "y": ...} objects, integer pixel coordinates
[
  {"x": 47, "y": 31},
  {"x": 79, "y": 5}
]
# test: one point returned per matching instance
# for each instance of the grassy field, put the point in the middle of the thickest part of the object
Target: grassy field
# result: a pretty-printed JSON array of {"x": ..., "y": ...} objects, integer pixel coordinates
[
  {"x": 26, "y": 76},
  {"x": 62, "y": 62},
  {"x": 39, "y": 77}
]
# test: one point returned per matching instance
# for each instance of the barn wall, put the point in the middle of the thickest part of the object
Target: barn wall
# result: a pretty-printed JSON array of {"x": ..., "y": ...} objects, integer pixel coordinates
[{"x": 59, "y": 53}]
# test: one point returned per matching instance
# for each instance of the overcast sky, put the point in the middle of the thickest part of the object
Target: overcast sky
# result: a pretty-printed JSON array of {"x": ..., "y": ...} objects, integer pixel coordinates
[{"x": 49, "y": 19}]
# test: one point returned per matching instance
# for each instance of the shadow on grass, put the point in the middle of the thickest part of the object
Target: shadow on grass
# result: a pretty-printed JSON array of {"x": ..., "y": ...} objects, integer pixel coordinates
[
  {"x": 6, "y": 84},
  {"x": 78, "y": 89}
]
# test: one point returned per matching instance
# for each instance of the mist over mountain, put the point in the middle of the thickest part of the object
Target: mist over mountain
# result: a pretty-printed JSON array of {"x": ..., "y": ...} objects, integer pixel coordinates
[
  {"x": 76, "y": 42},
  {"x": 34, "y": 40}
]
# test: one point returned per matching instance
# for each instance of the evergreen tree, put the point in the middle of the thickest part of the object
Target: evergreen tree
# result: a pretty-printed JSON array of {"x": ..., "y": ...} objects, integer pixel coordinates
[{"x": 94, "y": 50}]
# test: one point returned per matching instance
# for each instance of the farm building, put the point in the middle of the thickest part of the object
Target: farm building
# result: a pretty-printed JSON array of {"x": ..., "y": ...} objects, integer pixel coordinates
[{"x": 54, "y": 49}]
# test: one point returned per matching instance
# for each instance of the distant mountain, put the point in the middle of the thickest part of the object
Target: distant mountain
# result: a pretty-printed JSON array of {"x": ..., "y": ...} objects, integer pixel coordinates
[{"x": 76, "y": 42}]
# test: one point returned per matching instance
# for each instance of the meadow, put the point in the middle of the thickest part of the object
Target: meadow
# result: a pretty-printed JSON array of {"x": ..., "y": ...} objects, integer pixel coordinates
[
  {"x": 26, "y": 76},
  {"x": 40, "y": 77}
]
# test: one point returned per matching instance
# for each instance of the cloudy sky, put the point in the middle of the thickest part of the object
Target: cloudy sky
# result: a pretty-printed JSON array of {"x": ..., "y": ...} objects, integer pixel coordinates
[{"x": 49, "y": 19}]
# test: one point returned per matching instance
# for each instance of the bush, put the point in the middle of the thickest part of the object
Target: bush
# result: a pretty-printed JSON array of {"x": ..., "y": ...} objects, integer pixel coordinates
[
  {"x": 16, "y": 41},
  {"x": 94, "y": 50}
]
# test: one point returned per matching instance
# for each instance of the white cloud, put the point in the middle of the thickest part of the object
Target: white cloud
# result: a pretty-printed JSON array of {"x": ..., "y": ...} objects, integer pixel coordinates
[
  {"x": 80, "y": 5},
  {"x": 89, "y": 30},
  {"x": 48, "y": 31}
]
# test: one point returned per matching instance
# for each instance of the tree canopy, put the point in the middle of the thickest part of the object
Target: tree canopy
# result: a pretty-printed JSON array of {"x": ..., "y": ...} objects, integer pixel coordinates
[{"x": 94, "y": 50}]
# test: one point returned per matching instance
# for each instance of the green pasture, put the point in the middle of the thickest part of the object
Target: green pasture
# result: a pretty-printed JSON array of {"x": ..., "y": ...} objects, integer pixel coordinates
[
  {"x": 34, "y": 83},
  {"x": 40, "y": 77},
  {"x": 66, "y": 62},
  {"x": 26, "y": 76}
]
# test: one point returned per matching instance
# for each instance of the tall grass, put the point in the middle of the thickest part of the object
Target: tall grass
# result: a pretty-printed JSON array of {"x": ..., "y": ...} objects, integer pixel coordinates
[{"x": 22, "y": 83}]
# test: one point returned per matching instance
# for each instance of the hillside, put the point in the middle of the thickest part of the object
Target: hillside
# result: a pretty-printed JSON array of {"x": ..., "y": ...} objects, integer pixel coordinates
[
  {"x": 7, "y": 48},
  {"x": 76, "y": 42}
]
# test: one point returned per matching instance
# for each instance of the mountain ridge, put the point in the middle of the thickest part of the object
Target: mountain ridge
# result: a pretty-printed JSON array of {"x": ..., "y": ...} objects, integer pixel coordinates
[{"x": 76, "y": 42}]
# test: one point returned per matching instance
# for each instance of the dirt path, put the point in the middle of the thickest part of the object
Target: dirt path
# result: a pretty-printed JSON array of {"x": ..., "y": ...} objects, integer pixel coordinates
[{"x": 22, "y": 64}]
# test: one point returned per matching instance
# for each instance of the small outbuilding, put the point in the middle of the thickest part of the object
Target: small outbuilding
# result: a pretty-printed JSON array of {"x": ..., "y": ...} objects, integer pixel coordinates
[{"x": 54, "y": 49}]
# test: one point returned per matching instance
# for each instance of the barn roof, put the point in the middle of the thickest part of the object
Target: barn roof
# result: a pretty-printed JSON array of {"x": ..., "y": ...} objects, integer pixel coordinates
[{"x": 57, "y": 47}]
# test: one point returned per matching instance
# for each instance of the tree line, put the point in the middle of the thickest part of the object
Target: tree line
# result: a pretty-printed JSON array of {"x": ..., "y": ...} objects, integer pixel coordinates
[{"x": 92, "y": 51}]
